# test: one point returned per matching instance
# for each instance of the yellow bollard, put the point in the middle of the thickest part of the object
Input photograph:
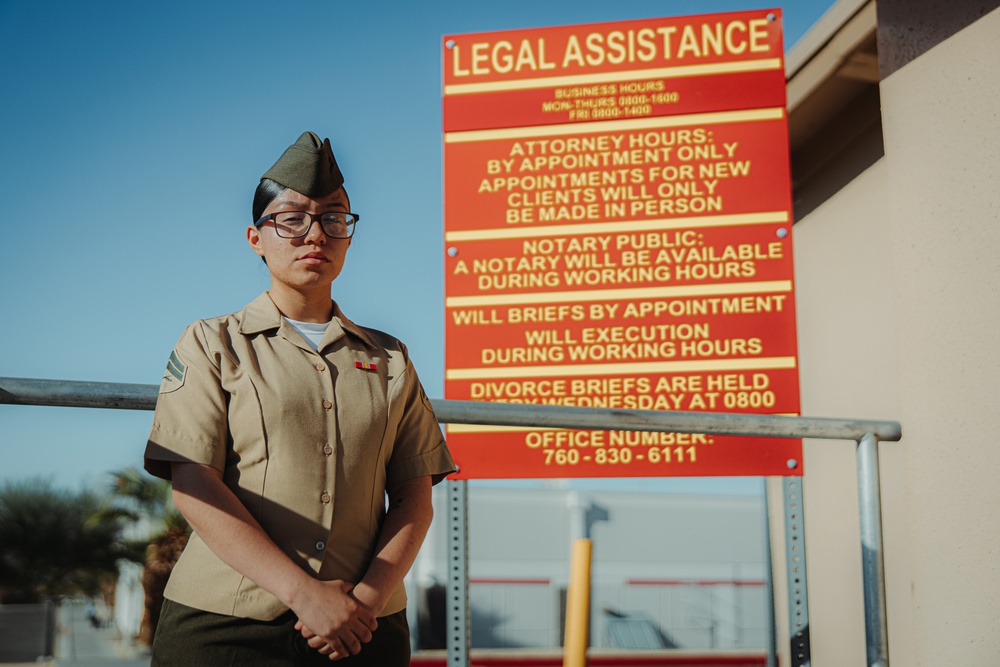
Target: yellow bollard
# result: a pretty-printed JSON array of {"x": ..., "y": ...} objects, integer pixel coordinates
[{"x": 578, "y": 605}]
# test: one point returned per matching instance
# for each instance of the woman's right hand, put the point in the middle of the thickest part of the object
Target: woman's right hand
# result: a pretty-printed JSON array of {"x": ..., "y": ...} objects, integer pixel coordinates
[{"x": 332, "y": 620}]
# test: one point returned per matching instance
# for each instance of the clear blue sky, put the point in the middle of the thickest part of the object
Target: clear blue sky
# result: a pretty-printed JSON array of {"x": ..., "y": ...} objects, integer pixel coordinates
[{"x": 132, "y": 135}]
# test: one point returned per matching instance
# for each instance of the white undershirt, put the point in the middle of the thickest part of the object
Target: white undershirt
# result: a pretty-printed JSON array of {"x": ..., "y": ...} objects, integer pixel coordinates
[{"x": 311, "y": 331}]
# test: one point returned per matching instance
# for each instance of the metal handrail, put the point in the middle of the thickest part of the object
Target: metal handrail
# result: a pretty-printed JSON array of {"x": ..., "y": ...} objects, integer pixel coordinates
[
  {"x": 867, "y": 433},
  {"x": 77, "y": 394}
]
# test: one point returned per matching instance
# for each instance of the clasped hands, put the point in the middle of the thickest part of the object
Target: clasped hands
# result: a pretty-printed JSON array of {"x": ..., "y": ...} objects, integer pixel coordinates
[{"x": 335, "y": 622}]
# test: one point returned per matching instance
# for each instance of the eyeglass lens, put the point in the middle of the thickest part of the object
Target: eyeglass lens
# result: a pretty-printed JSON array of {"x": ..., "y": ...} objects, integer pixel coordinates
[{"x": 292, "y": 224}]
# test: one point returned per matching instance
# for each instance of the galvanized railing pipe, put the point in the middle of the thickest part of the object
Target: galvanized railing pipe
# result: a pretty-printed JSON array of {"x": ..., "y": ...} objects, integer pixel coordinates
[
  {"x": 76, "y": 394},
  {"x": 866, "y": 432},
  {"x": 69, "y": 393}
]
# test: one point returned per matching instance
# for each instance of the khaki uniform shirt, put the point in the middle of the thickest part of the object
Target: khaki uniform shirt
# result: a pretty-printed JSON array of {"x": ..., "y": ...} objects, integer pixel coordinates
[{"x": 309, "y": 441}]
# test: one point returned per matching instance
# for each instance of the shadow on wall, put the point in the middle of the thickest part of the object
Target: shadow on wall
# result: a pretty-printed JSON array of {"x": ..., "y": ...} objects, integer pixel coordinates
[{"x": 433, "y": 624}]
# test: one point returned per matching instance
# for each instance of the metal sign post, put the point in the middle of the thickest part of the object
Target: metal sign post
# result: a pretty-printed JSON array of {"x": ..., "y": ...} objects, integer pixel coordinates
[
  {"x": 795, "y": 567},
  {"x": 457, "y": 602}
]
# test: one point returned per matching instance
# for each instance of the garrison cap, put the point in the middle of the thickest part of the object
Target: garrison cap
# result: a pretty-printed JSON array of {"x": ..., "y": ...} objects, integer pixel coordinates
[{"x": 308, "y": 167}]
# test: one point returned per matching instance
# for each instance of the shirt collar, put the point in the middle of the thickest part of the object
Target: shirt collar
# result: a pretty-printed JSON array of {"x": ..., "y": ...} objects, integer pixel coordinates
[{"x": 262, "y": 315}]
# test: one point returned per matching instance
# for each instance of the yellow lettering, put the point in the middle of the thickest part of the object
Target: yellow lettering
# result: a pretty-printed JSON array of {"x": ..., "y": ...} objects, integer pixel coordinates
[
  {"x": 479, "y": 57},
  {"x": 455, "y": 68},
  {"x": 503, "y": 61},
  {"x": 572, "y": 53}
]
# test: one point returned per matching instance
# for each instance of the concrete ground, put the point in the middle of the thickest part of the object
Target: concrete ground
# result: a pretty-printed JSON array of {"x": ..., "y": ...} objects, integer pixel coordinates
[{"x": 80, "y": 644}]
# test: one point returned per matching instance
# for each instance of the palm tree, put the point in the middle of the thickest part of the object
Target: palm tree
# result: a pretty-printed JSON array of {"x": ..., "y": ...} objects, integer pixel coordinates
[
  {"x": 160, "y": 529},
  {"x": 57, "y": 542}
]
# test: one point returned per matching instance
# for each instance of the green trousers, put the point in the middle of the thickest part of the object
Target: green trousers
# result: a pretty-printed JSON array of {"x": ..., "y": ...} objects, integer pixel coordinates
[{"x": 186, "y": 637}]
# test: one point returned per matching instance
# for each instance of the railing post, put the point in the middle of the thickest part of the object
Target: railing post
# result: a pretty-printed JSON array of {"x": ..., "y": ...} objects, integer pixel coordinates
[{"x": 872, "y": 568}]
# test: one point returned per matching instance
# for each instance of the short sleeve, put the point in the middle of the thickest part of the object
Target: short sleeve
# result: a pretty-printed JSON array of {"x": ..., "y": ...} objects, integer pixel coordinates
[
  {"x": 420, "y": 447},
  {"x": 190, "y": 424}
]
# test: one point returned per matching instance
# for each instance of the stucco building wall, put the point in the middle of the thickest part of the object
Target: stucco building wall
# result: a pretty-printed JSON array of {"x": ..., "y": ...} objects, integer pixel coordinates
[
  {"x": 941, "y": 117},
  {"x": 898, "y": 297}
]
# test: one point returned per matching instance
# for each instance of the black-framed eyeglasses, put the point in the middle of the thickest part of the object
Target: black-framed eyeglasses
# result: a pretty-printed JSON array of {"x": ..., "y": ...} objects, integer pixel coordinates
[{"x": 296, "y": 224}]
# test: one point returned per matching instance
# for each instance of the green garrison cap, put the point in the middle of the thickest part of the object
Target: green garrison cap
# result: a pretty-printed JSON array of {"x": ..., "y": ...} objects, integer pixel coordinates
[{"x": 307, "y": 166}]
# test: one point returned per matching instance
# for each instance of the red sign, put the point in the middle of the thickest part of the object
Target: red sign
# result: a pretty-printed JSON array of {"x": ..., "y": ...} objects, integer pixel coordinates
[{"x": 618, "y": 234}]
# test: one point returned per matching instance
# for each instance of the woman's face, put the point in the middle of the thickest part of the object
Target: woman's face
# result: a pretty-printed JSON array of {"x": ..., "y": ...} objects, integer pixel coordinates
[{"x": 307, "y": 263}]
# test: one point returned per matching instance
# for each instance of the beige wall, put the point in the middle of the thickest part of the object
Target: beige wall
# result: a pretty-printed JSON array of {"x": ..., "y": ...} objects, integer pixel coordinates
[
  {"x": 898, "y": 294},
  {"x": 941, "y": 117},
  {"x": 848, "y": 369}
]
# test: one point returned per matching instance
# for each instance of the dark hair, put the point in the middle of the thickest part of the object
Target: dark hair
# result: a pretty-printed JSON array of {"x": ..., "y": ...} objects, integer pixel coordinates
[{"x": 267, "y": 191}]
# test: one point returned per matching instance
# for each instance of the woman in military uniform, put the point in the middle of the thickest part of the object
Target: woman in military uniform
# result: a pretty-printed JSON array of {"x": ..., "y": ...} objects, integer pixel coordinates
[{"x": 284, "y": 427}]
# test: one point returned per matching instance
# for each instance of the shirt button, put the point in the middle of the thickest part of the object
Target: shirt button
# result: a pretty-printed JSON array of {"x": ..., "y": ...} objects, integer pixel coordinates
[
  {"x": 327, "y": 404},
  {"x": 325, "y": 498},
  {"x": 320, "y": 545},
  {"x": 320, "y": 367},
  {"x": 328, "y": 450}
]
